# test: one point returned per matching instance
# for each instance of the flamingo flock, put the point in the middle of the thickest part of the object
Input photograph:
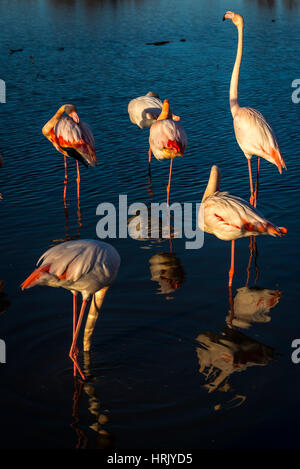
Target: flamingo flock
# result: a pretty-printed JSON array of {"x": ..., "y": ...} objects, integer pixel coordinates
[{"x": 90, "y": 267}]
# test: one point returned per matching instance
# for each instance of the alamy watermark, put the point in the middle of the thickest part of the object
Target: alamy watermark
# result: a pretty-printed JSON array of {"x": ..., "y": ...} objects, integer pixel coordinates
[
  {"x": 296, "y": 93},
  {"x": 2, "y": 351},
  {"x": 2, "y": 92},
  {"x": 296, "y": 353},
  {"x": 139, "y": 221}
]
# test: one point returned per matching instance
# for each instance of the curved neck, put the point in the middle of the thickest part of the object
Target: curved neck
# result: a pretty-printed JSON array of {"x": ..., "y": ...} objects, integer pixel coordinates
[
  {"x": 165, "y": 112},
  {"x": 233, "y": 94},
  {"x": 53, "y": 121},
  {"x": 213, "y": 183},
  {"x": 95, "y": 307}
]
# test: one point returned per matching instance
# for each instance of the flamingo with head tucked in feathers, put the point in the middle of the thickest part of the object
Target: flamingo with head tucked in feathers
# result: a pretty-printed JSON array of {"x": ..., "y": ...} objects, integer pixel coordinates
[
  {"x": 229, "y": 217},
  {"x": 145, "y": 110},
  {"x": 83, "y": 266},
  {"x": 71, "y": 137},
  {"x": 167, "y": 139},
  {"x": 253, "y": 133}
]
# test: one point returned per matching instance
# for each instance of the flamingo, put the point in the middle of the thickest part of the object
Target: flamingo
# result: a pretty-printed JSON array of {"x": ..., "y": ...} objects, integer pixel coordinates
[
  {"x": 167, "y": 139},
  {"x": 229, "y": 217},
  {"x": 144, "y": 111},
  {"x": 71, "y": 137},
  {"x": 83, "y": 266},
  {"x": 252, "y": 131}
]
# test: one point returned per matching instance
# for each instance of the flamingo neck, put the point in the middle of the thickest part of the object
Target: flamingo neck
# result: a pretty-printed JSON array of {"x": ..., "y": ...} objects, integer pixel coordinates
[
  {"x": 165, "y": 112},
  {"x": 53, "y": 121},
  {"x": 95, "y": 308},
  {"x": 213, "y": 183},
  {"x": 233, "y": 93}
]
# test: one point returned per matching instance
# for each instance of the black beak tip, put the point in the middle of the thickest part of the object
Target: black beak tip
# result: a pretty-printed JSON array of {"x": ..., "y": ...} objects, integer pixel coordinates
[{"x": 224, "y": 18}]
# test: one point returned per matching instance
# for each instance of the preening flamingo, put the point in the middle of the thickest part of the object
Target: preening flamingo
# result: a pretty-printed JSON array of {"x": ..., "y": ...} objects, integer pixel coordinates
[
  {"x": 71, "y": 137},
  {"x": 229, "y": 217},
  {"x": 145, "y": 110},
  {"x": 83, "y": 266},
  {"x": 252, "y": 131},
  {"x": 167, "y": 139}
]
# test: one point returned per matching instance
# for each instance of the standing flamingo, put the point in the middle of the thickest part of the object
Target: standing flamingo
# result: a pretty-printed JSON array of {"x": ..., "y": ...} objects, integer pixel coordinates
[
  {"x": 83, "y": 266},
  {"x": 229, "y": 217},
  {"x": 71, "y": 137},
  {"x": 144, "y": 111},
  {"x": 167, "y": 139},
  {"x": 252, "y": 131}
]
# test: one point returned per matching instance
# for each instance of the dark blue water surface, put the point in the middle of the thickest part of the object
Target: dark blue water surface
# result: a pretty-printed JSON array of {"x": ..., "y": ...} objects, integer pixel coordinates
[{"x": 161, "y": 366}]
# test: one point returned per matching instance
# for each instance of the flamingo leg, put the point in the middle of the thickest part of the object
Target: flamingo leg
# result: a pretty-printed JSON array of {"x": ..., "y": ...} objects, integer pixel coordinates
[
  {"x": 72, "y": 353},
  {"x": 257, "y": 182},
  {"x": 65, "y": 181},
  {"x": 74, "y": 324},
  {"x": 169, "y": 185},
  {"x": 231, "y": 271},
  {"x": 78, "y": 180},
  {"x": 251, "y": 182},
  {"x": 149, "y": 160},
  {"x": 231, "y": 304}
]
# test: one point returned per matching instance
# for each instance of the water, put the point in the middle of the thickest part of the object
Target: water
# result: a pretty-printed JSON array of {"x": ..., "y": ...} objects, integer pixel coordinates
[{"x": 161, "y": 374}]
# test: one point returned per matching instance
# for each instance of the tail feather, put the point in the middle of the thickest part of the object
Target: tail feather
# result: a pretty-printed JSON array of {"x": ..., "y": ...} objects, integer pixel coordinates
[
  {"x": 278, "y": 158},
  {"x": 36, "y": 274}
]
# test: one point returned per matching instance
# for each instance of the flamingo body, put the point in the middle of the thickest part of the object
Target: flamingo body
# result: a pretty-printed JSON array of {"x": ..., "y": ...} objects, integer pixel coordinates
[
  {"x": 229, "y": 218},
  {"x": 75, "y": 140},
  {"x": 256, "y": 137},
  {"x": 84, "y": 266},
  {"x": 167, "y": 139},
  {"x": 144, "y": 110}
]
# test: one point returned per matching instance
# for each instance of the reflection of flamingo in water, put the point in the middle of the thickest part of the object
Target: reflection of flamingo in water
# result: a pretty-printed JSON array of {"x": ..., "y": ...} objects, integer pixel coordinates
[
  {"x": 229, "y": 217},
  {"x": 253, "y": 133},
  {"x": 84, "y": 266},
  {"x": 166, "y": 269},
  {"x": 220, "y": 355},
  {"x": 71, "y": 137},
  {"x": 252, "y": 305},
  {"x": 144, "y": 111},
  {"x": 167, "y": 139}
]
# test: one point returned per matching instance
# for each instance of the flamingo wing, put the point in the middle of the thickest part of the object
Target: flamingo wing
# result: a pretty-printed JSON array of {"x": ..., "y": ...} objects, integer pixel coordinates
[
  {"x": 68, "y": 262},
  {"x": 230, "y": 217},
  {"x": 74, "y": 139},
  {"x": 143, "y": 111},
  {"x": 256, "y": 137},
  {"x": 167, "y": 139}
]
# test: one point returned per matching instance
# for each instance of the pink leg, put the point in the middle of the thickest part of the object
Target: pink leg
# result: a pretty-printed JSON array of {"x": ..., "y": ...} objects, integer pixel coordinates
[
  {"x": 65, "y": 181},
  {"x": 74, "y": 324},
  {"x": 169, "y": 185},
  {"x": 78, "y": 181},
  {"x": 257, "y": 182},
  {"x": 251, "y": 182},
  {"x": 72, "y": 353},
  {"x": 231, "y": 271}
]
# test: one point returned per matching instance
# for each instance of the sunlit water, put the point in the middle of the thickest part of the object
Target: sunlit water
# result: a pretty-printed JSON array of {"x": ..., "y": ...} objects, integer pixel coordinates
[{"x": 161, "y": 374}]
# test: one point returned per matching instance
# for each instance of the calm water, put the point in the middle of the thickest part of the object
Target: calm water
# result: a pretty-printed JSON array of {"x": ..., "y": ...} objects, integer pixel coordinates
[{"x": 161, "y": 362}]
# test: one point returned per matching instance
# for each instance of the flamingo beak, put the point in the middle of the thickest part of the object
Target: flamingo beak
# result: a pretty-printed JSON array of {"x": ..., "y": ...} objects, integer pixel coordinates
[{"x": 75, "y": 117}]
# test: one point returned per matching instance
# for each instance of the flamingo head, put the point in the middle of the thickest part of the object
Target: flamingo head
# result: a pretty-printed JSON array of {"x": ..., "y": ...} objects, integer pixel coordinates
[
  {"x": 237, "y": 19},
  {"x": 71, "y": 110},
  {"x": 152, "y": 94}
]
